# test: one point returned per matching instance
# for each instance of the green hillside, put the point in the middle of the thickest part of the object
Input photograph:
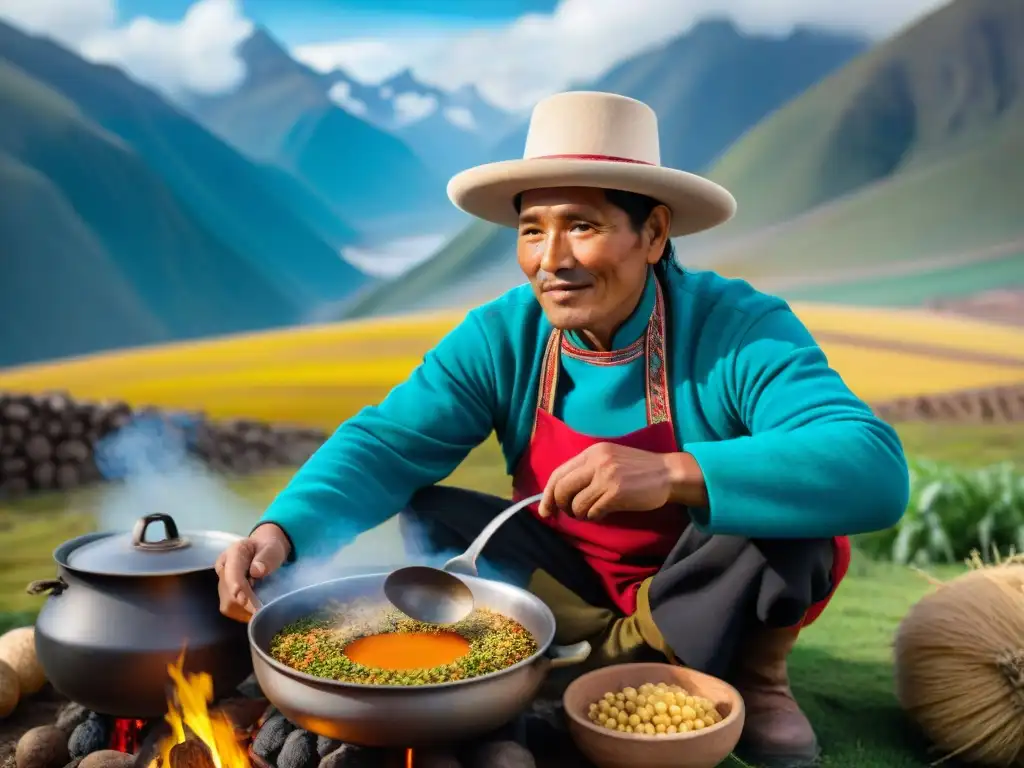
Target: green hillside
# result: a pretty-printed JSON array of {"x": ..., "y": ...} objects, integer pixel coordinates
[
  {"x": 956, "y": 206},
  {"x": 97, "y": 251},
  {"x": 713, "y": 83},
  {"x": 708, "y": 86},
  {"x": 242, "y": 205},
  {"x": 913, "y": 153},
  {"x": 924, "y": 286},
  {"x": 948, "y": 84}
]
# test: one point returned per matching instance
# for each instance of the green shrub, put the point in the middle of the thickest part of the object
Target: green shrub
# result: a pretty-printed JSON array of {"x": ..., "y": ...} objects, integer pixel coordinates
[
  {"x": 14, "y": 619},
  {"x": 953, "y": 511}
]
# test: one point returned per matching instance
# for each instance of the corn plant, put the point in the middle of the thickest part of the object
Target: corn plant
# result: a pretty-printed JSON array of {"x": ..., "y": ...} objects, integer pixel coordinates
[{"x": 953, "y": 511}]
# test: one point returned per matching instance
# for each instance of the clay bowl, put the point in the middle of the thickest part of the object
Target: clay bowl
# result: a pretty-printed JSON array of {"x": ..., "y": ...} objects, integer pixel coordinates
[{"x": 605, "y": 748}]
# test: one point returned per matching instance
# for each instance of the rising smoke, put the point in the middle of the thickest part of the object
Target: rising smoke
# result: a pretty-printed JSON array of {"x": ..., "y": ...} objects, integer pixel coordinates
[{"x": 151, "y": 469}]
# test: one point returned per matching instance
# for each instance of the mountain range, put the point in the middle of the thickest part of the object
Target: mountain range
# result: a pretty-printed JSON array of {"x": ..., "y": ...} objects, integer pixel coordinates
[
  {"x": 125, "y": 222},
  {"x": 131, "y": 220},
  {"x": 708, "y": 86},
  {"x": 883, "y": 180},
  {"x": 351, "y": 142}
]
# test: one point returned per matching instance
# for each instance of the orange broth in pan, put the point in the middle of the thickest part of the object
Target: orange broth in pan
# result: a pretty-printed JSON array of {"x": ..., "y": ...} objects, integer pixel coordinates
[
  {"x": 408, "y": 650},
  {"x": 362, "y": 643}
]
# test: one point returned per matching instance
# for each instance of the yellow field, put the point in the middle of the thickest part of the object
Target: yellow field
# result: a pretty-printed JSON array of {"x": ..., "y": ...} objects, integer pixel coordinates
[{"x": 319, "y": 376}]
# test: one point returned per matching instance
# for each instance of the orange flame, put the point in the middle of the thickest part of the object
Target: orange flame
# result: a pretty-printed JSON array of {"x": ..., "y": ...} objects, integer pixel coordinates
[
  {"x": 408, "y": 758},
  {"x": 188, "y": 710}
]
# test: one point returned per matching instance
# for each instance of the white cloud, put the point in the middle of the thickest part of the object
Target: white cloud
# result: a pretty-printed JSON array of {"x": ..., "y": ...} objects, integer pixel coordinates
[
  {"x": 67, "y": 21},
  {"x": 194, "y": 55},
  {"x": 539, "y": 54},
  {"x": 411, "y": 107},
  {"x": 341, "y": 94},
  {"x": 461, "y": 117}
]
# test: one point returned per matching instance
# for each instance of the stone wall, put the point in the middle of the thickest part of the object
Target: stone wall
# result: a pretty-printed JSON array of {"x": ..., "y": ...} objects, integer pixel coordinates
[
  {"x": 991, "y": 405},
  {"x": 49, "y": 441}
]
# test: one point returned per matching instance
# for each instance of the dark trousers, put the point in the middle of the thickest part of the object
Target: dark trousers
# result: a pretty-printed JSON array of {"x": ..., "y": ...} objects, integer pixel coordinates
[{"x": 710, "y": 591}]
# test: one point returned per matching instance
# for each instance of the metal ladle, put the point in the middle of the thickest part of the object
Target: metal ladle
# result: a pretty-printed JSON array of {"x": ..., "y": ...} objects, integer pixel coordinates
[{"x": 435, "y": 595}]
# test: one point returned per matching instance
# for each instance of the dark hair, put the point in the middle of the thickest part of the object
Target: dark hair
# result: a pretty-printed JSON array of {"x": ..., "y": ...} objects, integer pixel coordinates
[{"x": 637, "y": 208}]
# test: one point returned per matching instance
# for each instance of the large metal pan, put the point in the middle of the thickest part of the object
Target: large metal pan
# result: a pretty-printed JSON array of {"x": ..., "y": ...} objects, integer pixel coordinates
[{"x": 399, "y": 716}]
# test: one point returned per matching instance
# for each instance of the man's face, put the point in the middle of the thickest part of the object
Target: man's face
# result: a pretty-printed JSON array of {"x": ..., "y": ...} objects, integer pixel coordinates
[{"x": 580, "y": 253}]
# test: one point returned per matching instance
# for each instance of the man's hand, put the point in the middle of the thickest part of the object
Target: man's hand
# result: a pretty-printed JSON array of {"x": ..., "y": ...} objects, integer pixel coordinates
[
  {"x": 609, "y": 478},
  {"x": 245, "y": 562}
]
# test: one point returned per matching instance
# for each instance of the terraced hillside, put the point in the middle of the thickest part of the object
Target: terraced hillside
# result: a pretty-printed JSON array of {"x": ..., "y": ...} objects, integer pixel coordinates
[{"x": 318, "y": 376}]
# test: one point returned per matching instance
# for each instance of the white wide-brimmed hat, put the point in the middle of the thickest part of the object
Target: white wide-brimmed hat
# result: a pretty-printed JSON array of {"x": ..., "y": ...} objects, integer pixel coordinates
[{"x": 592, "y": 139}]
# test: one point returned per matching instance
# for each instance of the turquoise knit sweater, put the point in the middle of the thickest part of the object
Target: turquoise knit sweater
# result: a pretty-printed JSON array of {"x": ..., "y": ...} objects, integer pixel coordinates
[{"x": 787, "y": 450}]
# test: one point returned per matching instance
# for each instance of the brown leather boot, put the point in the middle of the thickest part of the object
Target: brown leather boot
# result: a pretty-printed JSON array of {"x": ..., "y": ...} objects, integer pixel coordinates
[{"x": 777, "y": 734}]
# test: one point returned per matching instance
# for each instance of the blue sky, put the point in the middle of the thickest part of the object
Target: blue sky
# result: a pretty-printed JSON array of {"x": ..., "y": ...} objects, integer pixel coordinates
[
  {"x": 513, "y": 51},
  {"x": 298, "y": 22}
]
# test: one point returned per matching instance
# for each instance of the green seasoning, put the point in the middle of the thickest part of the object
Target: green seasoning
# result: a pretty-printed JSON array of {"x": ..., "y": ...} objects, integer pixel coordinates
[{"x": 316, "y": 645}]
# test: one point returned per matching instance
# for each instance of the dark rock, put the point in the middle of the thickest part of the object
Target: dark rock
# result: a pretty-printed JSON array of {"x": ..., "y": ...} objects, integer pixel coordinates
[
  {"x": 16, "y": 411},
  {"x": 298, "y": 750},
  {"x": 271, "y": 737},
  {"x": 71, "y": 715},
  {"x": 543, "y": 729},
  {"x": 38, "y": 448},
  {"x": 351, "y": 756},
  {"x": 14, "y": 467},
  {"x": 72, "y": 451},
  {"x": 43, "y": 475},
  {"x": 55, "y": 402},
  {"x": 250, "y": 688},
  {"x": 501, "y": 754},
  {"x": 15, "y": 434},
  {"x": 436, "y": 759},
  {"x": 324, "y": 745},
  {"x": 90, "y": 735}
]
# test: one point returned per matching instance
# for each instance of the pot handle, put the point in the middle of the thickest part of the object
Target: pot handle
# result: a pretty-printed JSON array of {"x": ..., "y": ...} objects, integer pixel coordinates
[
  {"x": 568, "y": 655},
  {"x": 47, "y": 586},
  {"x": 172, "y": 541}
]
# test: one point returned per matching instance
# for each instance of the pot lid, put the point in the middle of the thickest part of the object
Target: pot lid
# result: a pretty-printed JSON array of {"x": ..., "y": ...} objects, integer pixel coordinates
[{"x": 139, "y": 553}]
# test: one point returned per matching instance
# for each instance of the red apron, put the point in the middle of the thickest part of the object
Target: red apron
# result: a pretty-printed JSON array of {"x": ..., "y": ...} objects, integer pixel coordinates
[{"x": 623, "y": 549}]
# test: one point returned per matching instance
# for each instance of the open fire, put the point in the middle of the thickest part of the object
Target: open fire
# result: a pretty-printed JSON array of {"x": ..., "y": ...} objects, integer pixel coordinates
[
  {"x": 193, "y": 723},
  {"x": 245, "y": 731},
  {"x": 201, "y": 737},
  {"x": 126, "y": 735}
]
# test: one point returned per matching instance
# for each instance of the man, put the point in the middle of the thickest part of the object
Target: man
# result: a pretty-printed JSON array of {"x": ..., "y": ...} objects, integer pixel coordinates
[{"x": 701, "y": 464}]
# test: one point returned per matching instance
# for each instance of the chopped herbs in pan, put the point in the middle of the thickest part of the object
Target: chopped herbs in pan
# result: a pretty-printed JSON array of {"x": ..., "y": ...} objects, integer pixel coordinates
[{"x": 375, "y": 646}]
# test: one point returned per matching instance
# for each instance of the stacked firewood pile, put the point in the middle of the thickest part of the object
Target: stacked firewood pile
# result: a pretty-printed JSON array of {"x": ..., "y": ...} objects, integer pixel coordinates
[
  {"x": 48, "y": 441},
  {"x": 992, "y": 405}
]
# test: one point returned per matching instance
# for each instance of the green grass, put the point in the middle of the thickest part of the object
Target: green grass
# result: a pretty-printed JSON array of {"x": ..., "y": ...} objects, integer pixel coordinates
[
  {"x": 842, "y": 670},
  {"x": 966, "y": 445}
]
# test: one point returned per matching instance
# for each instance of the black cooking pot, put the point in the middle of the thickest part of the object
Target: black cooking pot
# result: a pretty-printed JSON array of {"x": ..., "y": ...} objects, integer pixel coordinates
[{"x": 123, "y": 608}]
